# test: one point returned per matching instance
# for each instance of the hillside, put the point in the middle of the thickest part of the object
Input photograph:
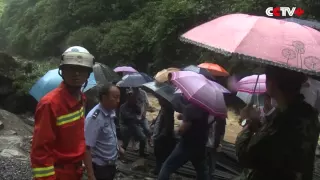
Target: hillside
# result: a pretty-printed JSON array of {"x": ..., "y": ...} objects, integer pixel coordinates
[{"x": 2, "y": 6}]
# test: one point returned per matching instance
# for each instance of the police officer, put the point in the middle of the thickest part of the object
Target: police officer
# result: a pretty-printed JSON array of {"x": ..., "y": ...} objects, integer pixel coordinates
[{"x": 100, "y": 135}]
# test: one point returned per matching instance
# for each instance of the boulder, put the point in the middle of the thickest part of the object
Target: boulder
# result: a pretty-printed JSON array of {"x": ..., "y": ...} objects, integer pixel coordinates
[
  {"x": 13, "y": 122},
  {"x": 10, "y": 146}
]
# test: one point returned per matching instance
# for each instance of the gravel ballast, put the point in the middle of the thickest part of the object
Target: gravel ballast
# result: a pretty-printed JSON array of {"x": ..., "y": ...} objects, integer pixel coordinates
[{"x": 14, "y": 169}]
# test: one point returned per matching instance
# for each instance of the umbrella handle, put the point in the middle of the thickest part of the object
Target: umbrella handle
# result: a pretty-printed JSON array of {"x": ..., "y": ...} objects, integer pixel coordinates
[{"x": 254, "y": 90}]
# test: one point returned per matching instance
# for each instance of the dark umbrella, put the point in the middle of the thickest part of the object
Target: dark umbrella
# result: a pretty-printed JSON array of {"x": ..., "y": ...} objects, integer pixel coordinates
[
  {"x": 134, "y": 80},
  {"x": 199, "y": 70},
  {"x": 103, "y": 74},
  {"x": 165, "y": 91}
]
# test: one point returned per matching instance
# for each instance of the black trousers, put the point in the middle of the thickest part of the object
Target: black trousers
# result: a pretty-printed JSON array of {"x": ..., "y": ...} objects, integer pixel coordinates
[
  {"x": 106, "y": 172},
  {"x": 163, "y": 147}
]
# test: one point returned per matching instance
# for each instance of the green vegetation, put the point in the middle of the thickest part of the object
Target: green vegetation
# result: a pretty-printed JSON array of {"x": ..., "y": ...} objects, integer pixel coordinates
[
  {"x": 142, "y": 33},
  {"x": 29, "y": 72}
]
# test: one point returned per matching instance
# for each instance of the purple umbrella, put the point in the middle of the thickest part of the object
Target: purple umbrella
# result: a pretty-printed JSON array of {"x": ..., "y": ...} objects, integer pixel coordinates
[
  {"x": 198, "y": 90},
  {"x": 126, "y": 69}
]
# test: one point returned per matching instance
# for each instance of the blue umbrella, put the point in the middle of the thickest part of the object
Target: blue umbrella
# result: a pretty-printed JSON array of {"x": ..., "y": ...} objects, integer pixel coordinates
[
  {"x": 134, "y": 80},
  {"x": 50, "y": 81},
  {"x": 199, "y": 70}
]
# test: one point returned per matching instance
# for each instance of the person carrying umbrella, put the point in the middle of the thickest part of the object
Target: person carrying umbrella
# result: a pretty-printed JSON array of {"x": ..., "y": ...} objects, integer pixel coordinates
[
  {"x": 129, "y": 123},
  {"x": 58, "y": 145},
  {"x": 284, "y": 147},
  {"x": 164, "y": 140},
  {"x": 194, "y": 132}
]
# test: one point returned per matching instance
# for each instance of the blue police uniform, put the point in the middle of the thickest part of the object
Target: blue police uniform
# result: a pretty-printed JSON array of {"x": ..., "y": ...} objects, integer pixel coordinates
[{"x": 100, "y": 135}]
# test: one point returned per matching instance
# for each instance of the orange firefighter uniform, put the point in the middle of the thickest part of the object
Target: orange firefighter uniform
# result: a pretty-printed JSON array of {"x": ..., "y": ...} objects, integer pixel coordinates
[{"x": 58, "y": 144}]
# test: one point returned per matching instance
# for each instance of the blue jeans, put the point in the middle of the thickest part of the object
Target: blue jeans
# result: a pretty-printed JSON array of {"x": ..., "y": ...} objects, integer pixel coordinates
[
  {"x": 135, "y": 131},
  {"x": 180, "y": 156},
  {"x": 145, "y": 126}
]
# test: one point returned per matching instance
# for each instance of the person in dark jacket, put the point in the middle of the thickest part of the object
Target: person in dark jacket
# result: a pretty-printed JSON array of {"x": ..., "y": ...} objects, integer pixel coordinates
[
  {"x": 192, "y": 145},
  {"x": 163, "y": 135},
  {"x": 129, "y": 124},
  {"x": 284, "y": 147}
]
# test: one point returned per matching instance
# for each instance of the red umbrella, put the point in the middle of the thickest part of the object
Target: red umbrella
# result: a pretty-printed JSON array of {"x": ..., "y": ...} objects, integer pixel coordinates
[
  {"x": 261, "y": 39},
  {"x": 215, "y": 69}
]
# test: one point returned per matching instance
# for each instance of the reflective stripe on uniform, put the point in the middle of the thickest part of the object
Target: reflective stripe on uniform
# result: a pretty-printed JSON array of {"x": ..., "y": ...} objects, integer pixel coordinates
[
  {"x": 43, "y": 172},
  {"x": 68, "y": 118}
]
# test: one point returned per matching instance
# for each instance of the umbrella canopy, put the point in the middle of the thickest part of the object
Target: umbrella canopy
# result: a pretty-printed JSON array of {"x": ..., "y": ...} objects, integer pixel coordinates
[
  {"x": 165, "y": 91},
  {"x": 104, "y": 73},
  {"x": 215, "y": 69},
  {"x": 50, "y": 81},
  {"x": 253, "y": 84},
  {"x": 199, "y": 70},
  {"x": 198, "y": 90},
  {"x": 258, "y": 99},
  {"x": 134, "y": 80},
  {"x": 127, "y": 69},
  {"x": 162, "y": 76},
  {"x": 261, "y": 39},
  {"x": 312, "y": 24}
]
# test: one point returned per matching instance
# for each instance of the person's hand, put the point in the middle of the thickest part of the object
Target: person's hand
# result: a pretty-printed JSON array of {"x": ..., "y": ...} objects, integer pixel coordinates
[
  {"x": 250, "y": 112},
  {"x": 244, "y": 113},
  {"x": 121, "y": 151},
  {"x": 180, "y": 116},
  {"x": 254, "y": 122},
  {"x": 219, "y": 148}
]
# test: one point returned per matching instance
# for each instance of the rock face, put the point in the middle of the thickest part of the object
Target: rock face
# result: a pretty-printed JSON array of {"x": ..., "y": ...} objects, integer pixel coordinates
[
  {"x": 9, "y": 98},
  {"x": 14, "y": 147},
  {"x": 13, "y": 122}
]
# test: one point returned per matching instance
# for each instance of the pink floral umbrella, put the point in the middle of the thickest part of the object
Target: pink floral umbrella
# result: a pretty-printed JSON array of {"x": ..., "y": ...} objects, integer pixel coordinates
[
  {"x": 261, "y": 39},
  {"x": 254, "y": 84}
]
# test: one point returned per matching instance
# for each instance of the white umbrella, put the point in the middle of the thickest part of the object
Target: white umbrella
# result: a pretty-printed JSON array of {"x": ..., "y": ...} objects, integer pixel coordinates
[{"x": 246, "y": 98}]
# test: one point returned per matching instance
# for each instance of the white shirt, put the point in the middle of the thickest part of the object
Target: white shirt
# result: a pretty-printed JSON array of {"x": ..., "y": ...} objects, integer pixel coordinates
[{"x": 210, "y": 142}]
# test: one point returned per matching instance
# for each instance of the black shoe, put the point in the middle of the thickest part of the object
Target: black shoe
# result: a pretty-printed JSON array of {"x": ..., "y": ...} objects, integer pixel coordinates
[
  {"x": 155, "y": 172},
  {"x": 143, "y": 155}
]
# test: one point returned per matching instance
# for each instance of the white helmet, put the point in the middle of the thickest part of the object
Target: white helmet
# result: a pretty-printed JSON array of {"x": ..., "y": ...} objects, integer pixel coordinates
[{"x": 77, "y": 55}]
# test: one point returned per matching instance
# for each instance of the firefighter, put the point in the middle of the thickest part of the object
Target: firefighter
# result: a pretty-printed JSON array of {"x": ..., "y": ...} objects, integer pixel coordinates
[{"x": 58, "y": 145}]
